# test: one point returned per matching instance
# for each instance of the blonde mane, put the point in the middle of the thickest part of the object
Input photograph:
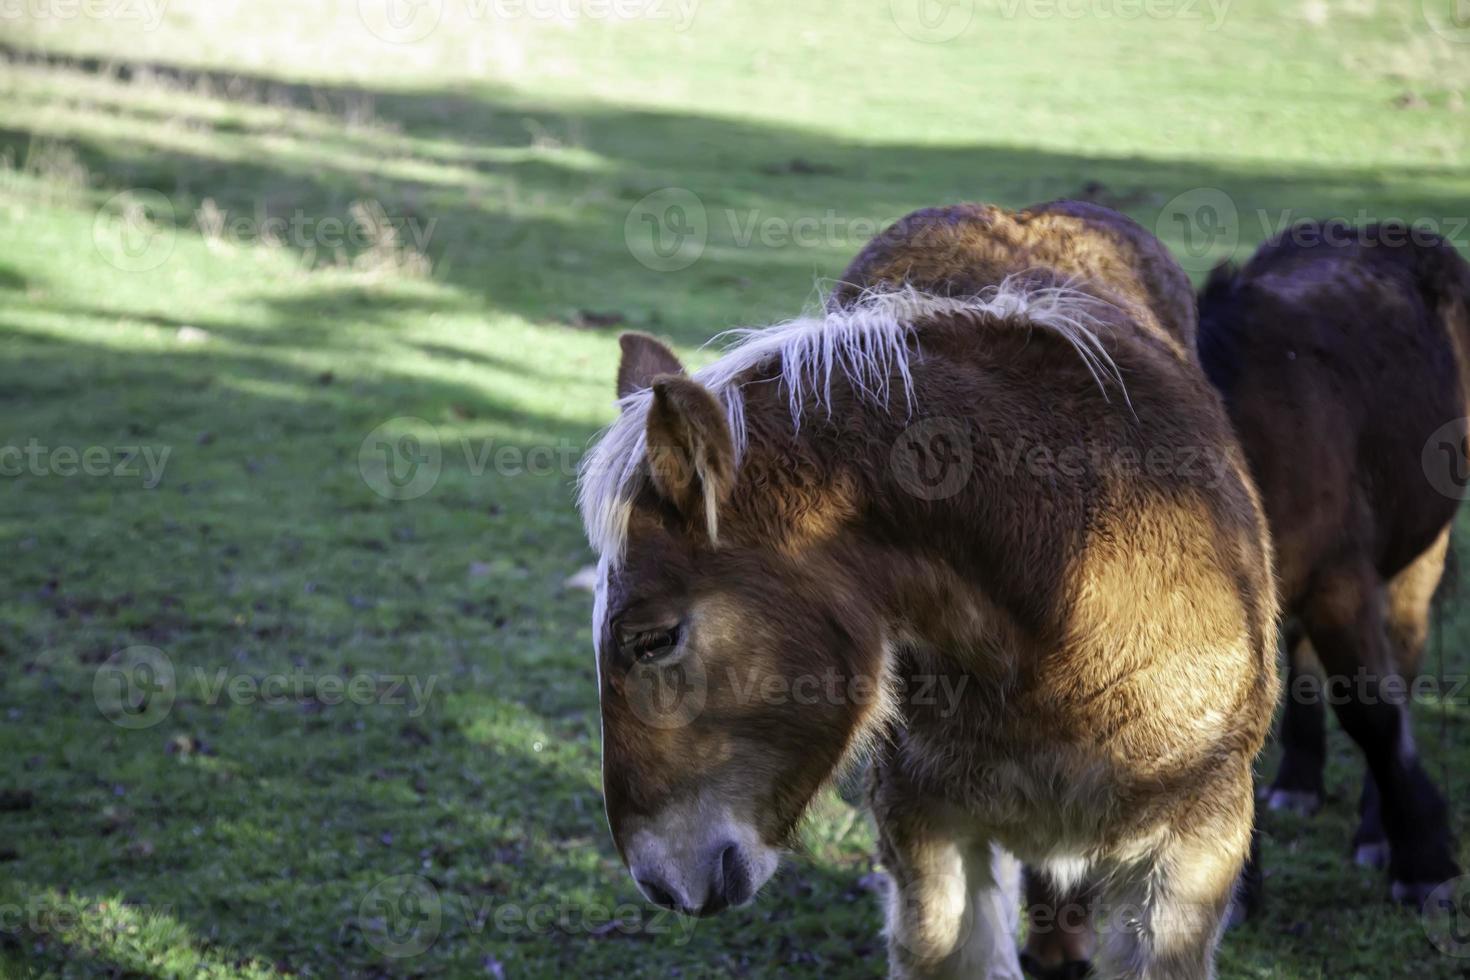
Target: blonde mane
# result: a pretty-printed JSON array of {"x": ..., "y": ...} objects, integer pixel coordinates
[{"x": 867, "y": 343}]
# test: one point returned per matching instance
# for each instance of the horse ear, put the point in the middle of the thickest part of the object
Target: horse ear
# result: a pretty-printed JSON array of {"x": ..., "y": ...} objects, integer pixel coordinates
[
  {"x": 691, "y": 456},
  {"x": 644, "y": 358}
]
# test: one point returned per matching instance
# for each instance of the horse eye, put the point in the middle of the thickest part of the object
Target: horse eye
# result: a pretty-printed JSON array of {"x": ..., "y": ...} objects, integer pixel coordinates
[{"x": 651, "y": 644}]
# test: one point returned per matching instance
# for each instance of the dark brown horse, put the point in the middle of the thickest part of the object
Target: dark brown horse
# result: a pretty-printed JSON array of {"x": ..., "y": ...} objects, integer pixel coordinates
[
  {"x": 992, "y": 467},
  {"x": 1342, "y": 356}
]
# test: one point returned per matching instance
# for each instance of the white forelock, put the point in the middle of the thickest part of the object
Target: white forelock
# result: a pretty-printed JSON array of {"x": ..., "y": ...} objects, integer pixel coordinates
[{"x": 866, "y": 342}]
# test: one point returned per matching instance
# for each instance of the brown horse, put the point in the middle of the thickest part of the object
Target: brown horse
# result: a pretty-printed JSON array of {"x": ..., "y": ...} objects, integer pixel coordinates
[
  {"x": 1342, "y": 356},
  {"x": 992, "y": 467}
]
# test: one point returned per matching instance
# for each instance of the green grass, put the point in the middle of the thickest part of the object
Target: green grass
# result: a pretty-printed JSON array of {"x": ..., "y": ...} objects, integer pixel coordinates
[{"x": 263, "y": 836}]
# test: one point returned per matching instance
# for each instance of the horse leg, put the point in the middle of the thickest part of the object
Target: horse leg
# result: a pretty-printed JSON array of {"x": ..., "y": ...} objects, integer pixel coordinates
[
  {"x": 1161, "y": 917},
  {"x": 955, "y": 902},
  {"x": 1298, "y": 784},
  {"x": 1346, "y": 617},
  {"x": 1250, "y": 889},
  {"x": 1409, "y": 597},
  {"x": 1370, "y": 840},
  {"x": 1059, "y": 937}
]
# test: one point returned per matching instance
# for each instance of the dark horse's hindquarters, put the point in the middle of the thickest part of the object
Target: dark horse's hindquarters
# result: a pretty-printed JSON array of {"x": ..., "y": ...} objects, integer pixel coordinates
[{"x": 1341, "y": 354}]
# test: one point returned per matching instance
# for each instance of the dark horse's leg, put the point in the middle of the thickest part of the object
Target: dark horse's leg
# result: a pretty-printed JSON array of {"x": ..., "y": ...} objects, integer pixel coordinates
[
  {"x": 1345, "y": 617},
  {"x": 1298, "y": 784},
  {"x": 1250, "y": 889},
  {"x": 1059, "y": 935},
  {"x": 1409, "y": 597},
  {"x": 1370, "y": 840}
]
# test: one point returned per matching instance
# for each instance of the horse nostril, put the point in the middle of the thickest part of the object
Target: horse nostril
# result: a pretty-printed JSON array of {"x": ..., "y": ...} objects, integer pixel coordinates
[
  {"x": 729, "y": 860},
  {"x": 657, "y": 894},
  {"x": 734, "y": 876}
]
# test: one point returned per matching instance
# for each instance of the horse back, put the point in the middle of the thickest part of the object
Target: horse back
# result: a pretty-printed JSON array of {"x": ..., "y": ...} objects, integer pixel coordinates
[
  {"x": 1342, "y": 356},
  {"x": 961, "y": 249}
]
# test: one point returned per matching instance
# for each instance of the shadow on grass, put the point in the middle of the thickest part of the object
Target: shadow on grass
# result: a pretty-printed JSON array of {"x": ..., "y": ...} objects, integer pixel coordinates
[{"x": 517, "y": 224}]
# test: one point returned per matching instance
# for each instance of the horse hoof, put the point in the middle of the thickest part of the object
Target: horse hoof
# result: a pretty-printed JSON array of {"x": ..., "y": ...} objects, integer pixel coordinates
[
  {"x": 1070, "y": 970},
  {"x": 1413, "y": 893},
  {"x": 1371, "y": 854},
  {"x": 1298, "y": 801}
]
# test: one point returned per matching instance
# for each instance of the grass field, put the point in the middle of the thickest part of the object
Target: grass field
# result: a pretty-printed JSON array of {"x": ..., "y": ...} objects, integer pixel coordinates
[{"x": 243, "y": 246}]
